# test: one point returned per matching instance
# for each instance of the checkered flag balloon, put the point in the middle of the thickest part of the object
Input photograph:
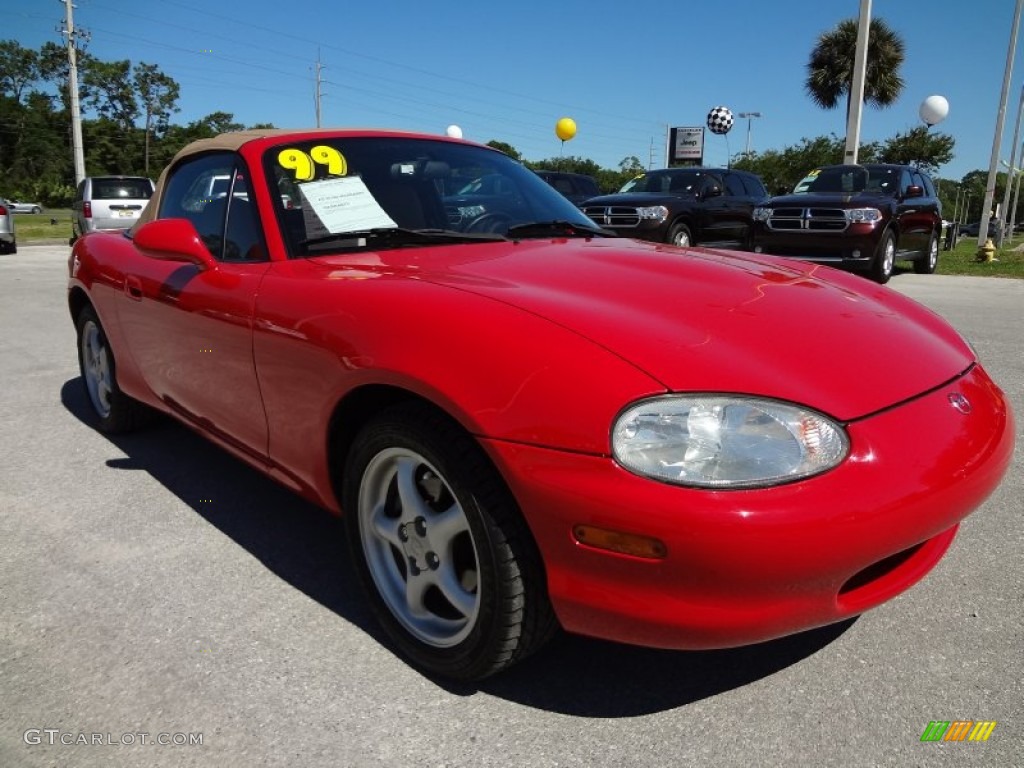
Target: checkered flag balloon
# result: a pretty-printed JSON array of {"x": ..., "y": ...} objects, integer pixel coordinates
[{"x": 720, "y": 120}]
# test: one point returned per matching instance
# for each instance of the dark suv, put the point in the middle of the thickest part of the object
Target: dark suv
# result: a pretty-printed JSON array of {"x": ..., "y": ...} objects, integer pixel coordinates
[
  {"x": 683, "y": 206},
  {"x": 575, "y": 186},
  {"x": 860, "y": 217}
]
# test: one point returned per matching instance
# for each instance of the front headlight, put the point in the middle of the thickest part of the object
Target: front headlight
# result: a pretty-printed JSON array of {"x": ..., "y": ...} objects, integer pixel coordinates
[
  {"x": 762, "y": 214},
  {"x": 725, "y": 441},
  {"x": 856, "y": 215},
  {"x": 654, "y": 213}
]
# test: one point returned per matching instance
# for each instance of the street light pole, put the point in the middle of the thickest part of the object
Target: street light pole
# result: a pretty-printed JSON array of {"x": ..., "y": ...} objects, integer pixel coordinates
[
  {"x": 993, "y": 167},
  {"x": 1016, "y": 194},
  {"x": 1001, "y": 233},
  {"x": 856, "y": 96},
  {"x": 750, "y": 118}
]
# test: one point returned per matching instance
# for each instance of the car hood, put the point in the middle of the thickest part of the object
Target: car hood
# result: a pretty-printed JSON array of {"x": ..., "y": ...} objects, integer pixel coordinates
[
  {"x": 705, "y": 320},
  {"x": 639, "y": 198},
  {"x": 809, "y": 200}
]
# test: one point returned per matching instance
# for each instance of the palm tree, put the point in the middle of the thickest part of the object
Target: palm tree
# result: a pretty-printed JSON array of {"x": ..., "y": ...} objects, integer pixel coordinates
[{"x": 830, "y": 70}]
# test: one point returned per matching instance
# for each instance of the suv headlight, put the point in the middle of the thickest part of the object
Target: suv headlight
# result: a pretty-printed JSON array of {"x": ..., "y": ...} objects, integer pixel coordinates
[
  {"x": 762, "y": 214},
  {"x": 656, "y": 213},
  {"x": 857, "y": 215},
  {"x": 725, "y": 441}
]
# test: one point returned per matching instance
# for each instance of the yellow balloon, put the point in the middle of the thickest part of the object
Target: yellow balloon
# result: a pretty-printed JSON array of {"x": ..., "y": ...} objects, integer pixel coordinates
[{"x": 565, "y": 128}]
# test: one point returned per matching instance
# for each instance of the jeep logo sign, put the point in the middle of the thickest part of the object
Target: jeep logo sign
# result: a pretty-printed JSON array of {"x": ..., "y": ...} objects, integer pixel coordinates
[{"x": 687, "y": 144}]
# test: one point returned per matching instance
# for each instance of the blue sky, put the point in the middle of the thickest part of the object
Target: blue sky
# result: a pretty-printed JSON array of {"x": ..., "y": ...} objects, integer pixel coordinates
[{"x": 622, "y": 71}]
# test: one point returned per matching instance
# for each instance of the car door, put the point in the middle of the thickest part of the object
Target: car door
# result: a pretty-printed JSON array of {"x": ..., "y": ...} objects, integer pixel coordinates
[
  {"x": 912, "y": 210},
  {"x": 190, "y": 328},
  {"x": 721, "y": 212}
]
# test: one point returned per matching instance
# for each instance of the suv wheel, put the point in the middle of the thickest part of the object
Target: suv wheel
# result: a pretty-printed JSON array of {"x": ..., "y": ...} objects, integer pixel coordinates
[
  {"x": 885, "y": 259},
  {"x": 927, "y": 263},
  {"x": 680, "y": 235}
]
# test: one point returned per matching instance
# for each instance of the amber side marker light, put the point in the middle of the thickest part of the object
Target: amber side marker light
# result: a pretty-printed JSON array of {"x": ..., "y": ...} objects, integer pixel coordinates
[{"x": 618, "y": 541}]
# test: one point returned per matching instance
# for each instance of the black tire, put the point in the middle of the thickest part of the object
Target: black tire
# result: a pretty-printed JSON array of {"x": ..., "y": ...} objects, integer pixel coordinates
[
  {"x": 115, "y": 411},
  {"x": 926, "y": 264},
  {"x": 422, "y": 502},
  {"x": 36, "y": 209},
  {"x": 885, "y": 259},
  {"x": 679, "y": 235}
]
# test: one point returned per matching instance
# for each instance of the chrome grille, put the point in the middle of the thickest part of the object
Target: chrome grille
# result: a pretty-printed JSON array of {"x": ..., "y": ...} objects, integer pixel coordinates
[
  {"x": 808, "y": 220},
  {"x": 615, "y": 216}
]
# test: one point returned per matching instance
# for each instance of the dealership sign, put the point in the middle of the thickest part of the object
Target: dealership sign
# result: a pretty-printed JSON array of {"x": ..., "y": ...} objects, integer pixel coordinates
[{"x": 687, "y": 144}]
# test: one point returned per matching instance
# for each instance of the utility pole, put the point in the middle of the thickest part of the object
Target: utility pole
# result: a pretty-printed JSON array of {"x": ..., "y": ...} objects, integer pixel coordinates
[
  {"x": 68, "y": 31},
  {"x": 317, "y": 94}
]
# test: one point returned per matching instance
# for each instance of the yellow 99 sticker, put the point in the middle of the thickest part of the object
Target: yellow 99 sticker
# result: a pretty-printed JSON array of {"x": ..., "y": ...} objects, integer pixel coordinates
[{"x": 304, "y": 166}]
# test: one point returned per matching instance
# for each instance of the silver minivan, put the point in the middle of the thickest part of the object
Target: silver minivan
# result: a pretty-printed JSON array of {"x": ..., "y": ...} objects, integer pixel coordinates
[{"x": 108, "y": 203}]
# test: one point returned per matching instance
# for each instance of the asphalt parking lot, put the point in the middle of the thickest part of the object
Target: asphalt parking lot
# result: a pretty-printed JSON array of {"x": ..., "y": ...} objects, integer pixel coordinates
[{"x": 153, "y": 585}]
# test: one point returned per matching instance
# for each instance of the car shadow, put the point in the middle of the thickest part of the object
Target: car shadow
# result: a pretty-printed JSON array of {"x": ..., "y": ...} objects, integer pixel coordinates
[{"x": 303, "y": 545}]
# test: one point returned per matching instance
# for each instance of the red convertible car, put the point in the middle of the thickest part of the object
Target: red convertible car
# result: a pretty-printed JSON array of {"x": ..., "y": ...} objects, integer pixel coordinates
[{"x": 527, "y": 422}]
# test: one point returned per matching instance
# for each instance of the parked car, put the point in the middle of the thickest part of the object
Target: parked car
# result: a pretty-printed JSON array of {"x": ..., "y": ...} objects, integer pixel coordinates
[
  {"x": 108, "y": 203},
  {"x": 972, "y": 229},
  {"x": 859, "y": 217},
  {"x": 22, "y": 207},
  {"x": 8, "y": 243},
  {"x": 577, "y": 187},
  {"x": 683, "y": 206},
  {"x": 530, "y": 423}
]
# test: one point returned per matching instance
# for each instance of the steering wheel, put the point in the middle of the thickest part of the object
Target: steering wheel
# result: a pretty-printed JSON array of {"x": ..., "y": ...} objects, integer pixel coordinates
[{"x": 496, "y": 223}]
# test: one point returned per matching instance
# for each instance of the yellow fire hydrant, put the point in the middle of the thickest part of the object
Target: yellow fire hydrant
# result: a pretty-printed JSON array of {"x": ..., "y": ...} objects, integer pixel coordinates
[{"x": 987, "y": 252}]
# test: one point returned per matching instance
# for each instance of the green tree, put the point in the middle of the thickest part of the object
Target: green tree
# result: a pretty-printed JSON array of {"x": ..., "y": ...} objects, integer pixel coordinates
[
  {"x": 782, "y": 169},
  {"x": 110, "y": 92},
  {"x": 569, "y": 164},
  {"x": 919, "y": 147},
  {"x": 830, "y": 69},
  {"x": 19, "y": 68},
  {"x": 508, "y": 149},
  {"x": 158, "y": 95}
]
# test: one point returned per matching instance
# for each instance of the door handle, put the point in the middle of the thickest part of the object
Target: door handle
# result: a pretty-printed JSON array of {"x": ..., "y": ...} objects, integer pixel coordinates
[{"x": 133, "y": 287}]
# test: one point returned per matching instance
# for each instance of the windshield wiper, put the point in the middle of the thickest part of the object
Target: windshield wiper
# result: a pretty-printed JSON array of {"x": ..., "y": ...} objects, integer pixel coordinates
[
  {"x": 396, "y": 236},
  {"x": 556, "y": 228}
]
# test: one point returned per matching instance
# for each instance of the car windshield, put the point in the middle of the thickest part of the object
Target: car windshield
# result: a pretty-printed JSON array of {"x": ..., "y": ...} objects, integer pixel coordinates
[
  {"x": 849, "y": 180},
  {"x": 345, "y": 193},
  {"x": 666, "y": 181}
]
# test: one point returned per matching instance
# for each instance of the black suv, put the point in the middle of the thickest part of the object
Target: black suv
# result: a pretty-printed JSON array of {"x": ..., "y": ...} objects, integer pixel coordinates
[
  {"x": 683, "y": 206},
  {"x": 575, "y": 186},
  {"x": 860, "y": 217}
]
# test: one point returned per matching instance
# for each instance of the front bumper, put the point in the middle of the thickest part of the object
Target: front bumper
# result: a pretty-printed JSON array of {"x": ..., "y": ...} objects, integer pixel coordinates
[
  {"x": 747, "y": 566},
  {"x": 854, "y": 248}
]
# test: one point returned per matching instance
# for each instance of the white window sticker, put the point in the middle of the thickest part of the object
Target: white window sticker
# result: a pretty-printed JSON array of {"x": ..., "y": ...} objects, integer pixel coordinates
[{"x": 346, "y": 205}]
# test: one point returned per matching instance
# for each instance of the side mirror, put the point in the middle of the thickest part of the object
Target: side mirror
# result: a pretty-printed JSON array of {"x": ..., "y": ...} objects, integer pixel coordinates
[
  {"x": 914, "y": 190},
  {"x": 712, "y": 191},
  {"x": 173, "y": 240}
]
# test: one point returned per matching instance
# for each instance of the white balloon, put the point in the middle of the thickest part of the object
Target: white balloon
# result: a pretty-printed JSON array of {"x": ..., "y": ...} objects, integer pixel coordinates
[
  {"x": 454, "y": 132},
  {"x": 934, "y": 109}
]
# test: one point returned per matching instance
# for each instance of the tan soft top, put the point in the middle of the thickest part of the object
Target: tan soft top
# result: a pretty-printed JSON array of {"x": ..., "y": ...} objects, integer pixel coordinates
[{"x": 232, "y": 141}]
